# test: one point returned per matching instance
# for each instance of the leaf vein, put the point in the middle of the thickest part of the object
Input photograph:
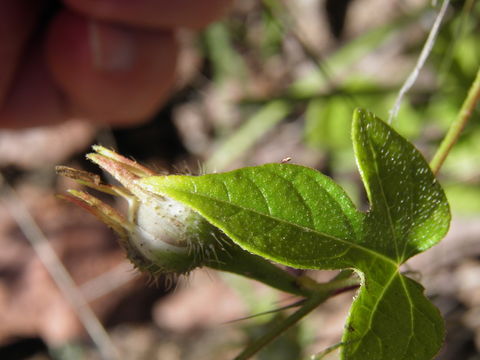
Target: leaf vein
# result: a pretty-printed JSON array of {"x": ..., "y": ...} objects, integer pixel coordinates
[
  {"x": 382, "y": 192},
  {"x": 300, "y": 227}
]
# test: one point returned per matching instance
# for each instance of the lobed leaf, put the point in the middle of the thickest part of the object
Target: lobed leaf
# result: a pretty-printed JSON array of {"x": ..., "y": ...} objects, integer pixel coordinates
[
  {"x": 407, "y": 202},
  {"x": 296, "y": 216},
  {"x": 392, "y": 319}
]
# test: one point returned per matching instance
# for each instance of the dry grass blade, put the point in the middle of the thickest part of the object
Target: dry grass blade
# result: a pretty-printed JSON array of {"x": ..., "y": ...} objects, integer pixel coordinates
[{"x": 58, "y": 273}]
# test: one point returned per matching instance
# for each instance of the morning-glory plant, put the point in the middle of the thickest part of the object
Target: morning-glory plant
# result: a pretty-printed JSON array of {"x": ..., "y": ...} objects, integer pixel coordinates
[{"x": 293, "y": 215}]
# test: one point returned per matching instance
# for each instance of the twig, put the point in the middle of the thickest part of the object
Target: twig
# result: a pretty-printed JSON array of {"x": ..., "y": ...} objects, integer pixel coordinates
[
  {"x": 457, "y": 125},
  {"x": 427, "y": 48},
  {"x": 58, "y": 273}
]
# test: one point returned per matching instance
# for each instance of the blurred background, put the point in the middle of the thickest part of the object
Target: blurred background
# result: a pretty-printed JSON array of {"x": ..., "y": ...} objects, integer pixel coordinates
[{"x": 273, "y": 79}]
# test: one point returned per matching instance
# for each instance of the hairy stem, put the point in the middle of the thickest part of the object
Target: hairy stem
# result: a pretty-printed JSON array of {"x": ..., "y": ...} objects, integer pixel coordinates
[{"x": 457, "y": 125}]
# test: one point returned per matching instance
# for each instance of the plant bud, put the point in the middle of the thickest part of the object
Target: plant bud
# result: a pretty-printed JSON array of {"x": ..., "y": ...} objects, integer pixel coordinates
[
  {"x": 159, "y": 234},
  {"x": 170, "y": 235}
]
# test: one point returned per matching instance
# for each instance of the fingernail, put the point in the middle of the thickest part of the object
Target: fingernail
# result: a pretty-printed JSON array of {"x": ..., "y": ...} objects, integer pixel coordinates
[{"x": 112, "y": 47}]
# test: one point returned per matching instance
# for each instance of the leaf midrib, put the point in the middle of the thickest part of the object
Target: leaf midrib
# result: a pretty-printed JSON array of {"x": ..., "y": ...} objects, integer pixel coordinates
[
  {"x": 362, "y": 248},
  {"x": 412, "y": 322},
  {"x": 382, "y": 192}
]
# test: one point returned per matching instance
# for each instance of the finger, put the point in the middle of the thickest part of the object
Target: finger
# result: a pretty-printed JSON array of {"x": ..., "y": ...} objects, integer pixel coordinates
[
  {"x": 33, "y": 98},
  {"x": 111, "y": 73},
  {"x": 17, "y": 19},
  {"x": 154, "y": 13}
]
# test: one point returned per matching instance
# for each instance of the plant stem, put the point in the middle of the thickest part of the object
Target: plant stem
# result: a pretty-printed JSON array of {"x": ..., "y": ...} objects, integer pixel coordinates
[
  {"x": 337, "y": 285},
  {"x": 457, "y": 125},
  {"x": 238, "y": 261}
]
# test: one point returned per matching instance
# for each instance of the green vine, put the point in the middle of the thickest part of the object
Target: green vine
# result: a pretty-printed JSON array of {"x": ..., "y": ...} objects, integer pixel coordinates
[{"x": 457, "y": 126}]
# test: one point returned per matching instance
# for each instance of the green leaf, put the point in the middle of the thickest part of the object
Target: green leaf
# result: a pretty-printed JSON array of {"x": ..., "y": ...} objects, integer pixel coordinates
[
  {"x": 409, "y": 213},
  {"x": 288, "y": 213},
  {"x": 296, "y": 216},
  {"x": 392, "y": 319},
  {"x": 408, "y": 206}
]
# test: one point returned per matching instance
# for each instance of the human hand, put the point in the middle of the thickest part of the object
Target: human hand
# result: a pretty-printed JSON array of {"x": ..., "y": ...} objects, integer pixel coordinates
[{"x": 110, "y": 61}]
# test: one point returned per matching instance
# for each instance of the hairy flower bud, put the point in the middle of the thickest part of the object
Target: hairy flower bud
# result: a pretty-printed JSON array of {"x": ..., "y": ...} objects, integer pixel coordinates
[
  {"x": 170, "y": 235},
  {"x": 159, "y": 234}
]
